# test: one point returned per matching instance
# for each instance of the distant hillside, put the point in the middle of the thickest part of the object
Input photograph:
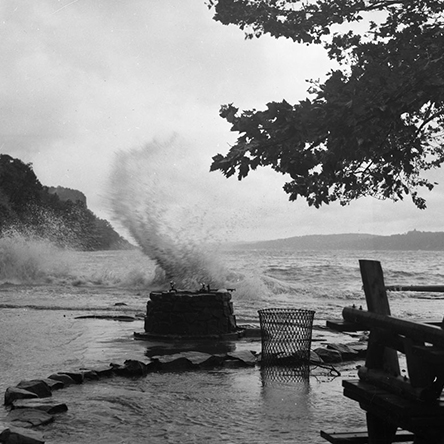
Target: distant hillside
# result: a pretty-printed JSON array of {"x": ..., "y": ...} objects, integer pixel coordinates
[{"x": 413, "y": 240}]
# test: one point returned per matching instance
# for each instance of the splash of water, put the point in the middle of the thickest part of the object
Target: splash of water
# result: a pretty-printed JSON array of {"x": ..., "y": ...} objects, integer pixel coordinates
[
  {"x": 158, "y": 195},
  {"x": 28, "y": 259}
]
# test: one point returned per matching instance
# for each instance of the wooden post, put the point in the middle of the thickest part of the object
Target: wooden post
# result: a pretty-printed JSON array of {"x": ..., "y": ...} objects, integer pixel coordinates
[{"x": 378, "y": 356}]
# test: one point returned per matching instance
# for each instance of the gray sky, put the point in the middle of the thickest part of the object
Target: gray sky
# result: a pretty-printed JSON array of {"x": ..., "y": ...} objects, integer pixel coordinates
[{"x": 84, "y": 80}]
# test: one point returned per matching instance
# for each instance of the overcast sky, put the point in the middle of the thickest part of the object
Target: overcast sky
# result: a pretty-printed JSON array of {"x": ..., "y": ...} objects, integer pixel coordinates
[{"x": 84, "y": 80}]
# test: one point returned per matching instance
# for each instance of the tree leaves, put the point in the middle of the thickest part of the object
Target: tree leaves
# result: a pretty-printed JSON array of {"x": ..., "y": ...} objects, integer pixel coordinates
[{"x": 373, "y": 127}]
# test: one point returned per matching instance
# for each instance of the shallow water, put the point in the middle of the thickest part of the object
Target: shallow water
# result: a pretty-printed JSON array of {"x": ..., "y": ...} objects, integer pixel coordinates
[{"x": 41, "y": 334}]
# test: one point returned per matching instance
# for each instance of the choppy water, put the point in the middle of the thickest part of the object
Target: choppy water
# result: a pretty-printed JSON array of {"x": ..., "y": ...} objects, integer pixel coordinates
[{"x": 43, "y": 290}]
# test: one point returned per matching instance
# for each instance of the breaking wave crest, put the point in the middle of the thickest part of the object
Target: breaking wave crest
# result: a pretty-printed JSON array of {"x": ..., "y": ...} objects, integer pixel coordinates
[
  {"x": 29, "y": 260},
  {"x": 156, "y": 194}
]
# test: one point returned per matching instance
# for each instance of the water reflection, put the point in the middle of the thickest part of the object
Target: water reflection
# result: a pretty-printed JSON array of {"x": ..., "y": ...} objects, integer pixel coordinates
[
  {"x": 287, "y": 405},
  {"x": 278, "y": 375}
]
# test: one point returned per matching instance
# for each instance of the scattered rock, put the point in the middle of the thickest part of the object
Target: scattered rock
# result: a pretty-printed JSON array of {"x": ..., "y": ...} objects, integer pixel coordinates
[
  {"x": 130, "y": 368},
  {"x": 245, "y": 356},
  {"x": 47, "y": 405},
  {"x": 329, "y": 356},
  {"x": 315, "y": 358},
  {"x": 105, "y": 370},
  {"x": 29, "y": 417},
  {"x": 346, "y": 352},
  {"x": 37, "y": 386},
  {"x": 176, "y": 362},
  {"x": 89, "y": 374},
  {"x": 53, "y": 384},
  {"x": 196, "y": 358},
  {"x": 19, "y": 435},
  {"x": 360, "y": 347},
  {"x": 13, "y": 393},
  {"x": 67, "y": 380},
  {"x": 77, "y": 377}
]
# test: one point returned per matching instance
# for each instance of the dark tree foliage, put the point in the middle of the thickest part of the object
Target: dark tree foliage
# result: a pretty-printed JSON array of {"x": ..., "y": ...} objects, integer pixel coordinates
[
  {"x": 19, "y": 183},
  {"x": 29, "y": 208},
  {"x": 374, "y": 126}
]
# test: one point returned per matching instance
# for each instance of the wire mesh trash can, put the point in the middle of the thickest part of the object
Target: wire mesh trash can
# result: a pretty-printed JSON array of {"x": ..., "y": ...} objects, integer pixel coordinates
[{"x": 286, "y": 335}]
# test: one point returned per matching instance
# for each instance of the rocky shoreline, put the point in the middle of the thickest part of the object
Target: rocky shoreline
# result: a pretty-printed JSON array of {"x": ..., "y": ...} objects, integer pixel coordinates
[{"x": 29, "y": 404}]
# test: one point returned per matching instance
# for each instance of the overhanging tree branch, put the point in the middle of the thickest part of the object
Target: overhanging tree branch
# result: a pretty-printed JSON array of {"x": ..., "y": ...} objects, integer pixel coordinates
[{"x": 372, "y": 127}]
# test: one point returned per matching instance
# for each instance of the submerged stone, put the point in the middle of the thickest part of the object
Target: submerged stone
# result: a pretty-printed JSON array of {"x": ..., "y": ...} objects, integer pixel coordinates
[
  {"x": 176, "y": 362},
  {"x": 329, "y": 356},
  {"x": 246, "y": 356},
  {"x": 53, "y": 384},
  {"x": 103, "y": 371},
  {"x": 19, "y": 435},
  {"x": 47, "y": 405},
  {"x": 77, "y": 377},
  {"x": 29, "y": 417},
  {"x": 13, "y": 393},
  {"x": 130, "y": 367},
  {"x": 37, "y": 386},
  {"x": 66, "y": 379}
]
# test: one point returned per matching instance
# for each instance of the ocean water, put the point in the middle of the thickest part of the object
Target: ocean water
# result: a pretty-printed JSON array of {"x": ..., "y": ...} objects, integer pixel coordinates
[{"x": 44, "y": 291}]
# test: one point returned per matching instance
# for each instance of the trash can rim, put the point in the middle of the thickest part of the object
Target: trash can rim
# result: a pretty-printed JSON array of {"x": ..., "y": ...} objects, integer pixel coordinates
[{"x": 285, "y": 310}]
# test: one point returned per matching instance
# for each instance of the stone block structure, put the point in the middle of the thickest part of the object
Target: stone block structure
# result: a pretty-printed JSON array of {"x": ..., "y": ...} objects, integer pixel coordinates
[{"x": 190, "y": 314}]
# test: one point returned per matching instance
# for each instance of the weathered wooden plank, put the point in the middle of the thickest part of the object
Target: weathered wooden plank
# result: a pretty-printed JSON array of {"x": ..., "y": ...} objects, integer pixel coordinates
[
  {"x": 397, "y": 384},
  {"x": 374, "y": 287},
  {"x": 429, "y": 354},
  {"x": 388, "y": 404},
  {"x": 421, "y": 332},
  {"x": 378, "y": 356}
]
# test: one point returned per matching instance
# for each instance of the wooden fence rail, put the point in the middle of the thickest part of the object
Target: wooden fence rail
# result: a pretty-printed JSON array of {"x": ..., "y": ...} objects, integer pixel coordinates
[{"x": 392, "y": 400}]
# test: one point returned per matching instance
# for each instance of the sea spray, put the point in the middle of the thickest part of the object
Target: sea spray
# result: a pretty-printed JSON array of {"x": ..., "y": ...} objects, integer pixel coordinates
[
  {"x": 157, "y": 194},
  {"x": 28, "y": 259}
]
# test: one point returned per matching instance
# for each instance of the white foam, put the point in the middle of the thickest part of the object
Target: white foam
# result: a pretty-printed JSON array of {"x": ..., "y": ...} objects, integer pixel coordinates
[{"x": 155, "y": 194}]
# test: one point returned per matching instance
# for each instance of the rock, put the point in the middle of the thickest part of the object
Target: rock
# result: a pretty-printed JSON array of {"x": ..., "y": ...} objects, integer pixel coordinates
[
  {"x": 29, "y": 417},
  {"x": 329, "y": 356},
  {"x": 315, "y": 358},
  {"x": 360, "y": 348},
  {"x": 175, "y": 362},
  {"x": 196, "y": 358},
  {"x": 53, "y": 384},
  {"x": 47, "y": 405},
  {"x": 130, "y": 368},
  {"x": 19, "y": 435},
  {"x": 67, "y": 380},
  {"x": 77, "y": 377},
  {"x": 153, "y": 366},
  {"x": 245, "y": 356},
  {"x": 89, "y": 374},
  {"x": 37, "y": 386},
  {"x": 347, "y": 353},
  {"x": 13, "y": 393},
  {"x": 102, "y": 371}
]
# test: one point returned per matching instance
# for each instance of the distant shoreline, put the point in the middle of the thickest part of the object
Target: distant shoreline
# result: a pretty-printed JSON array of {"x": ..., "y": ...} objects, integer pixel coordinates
[{"x": 412, "y": 240}]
